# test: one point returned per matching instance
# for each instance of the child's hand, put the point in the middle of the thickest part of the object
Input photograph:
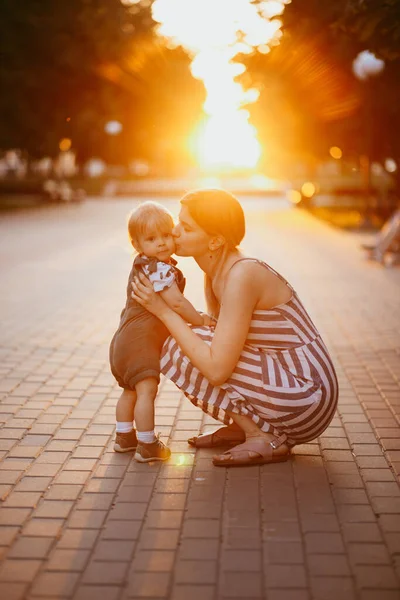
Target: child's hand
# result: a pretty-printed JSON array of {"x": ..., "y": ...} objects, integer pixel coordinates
[{"x": 209, "y": 321}]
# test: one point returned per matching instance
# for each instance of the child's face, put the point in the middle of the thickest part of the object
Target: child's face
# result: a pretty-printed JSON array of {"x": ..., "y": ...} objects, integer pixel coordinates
[{"x": 158, "y": 244}]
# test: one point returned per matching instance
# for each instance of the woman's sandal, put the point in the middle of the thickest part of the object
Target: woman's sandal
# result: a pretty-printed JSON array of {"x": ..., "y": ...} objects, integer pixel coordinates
[
  {"x": 223, "y": 436},
  {"x": 240, "y": 456}
]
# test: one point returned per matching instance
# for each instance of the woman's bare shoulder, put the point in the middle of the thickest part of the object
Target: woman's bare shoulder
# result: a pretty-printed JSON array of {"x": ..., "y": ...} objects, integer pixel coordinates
[
  {"x": 259, "y": 282},
  {"x": 245, "y": 276},
  {"x": 251, "y": 269}
]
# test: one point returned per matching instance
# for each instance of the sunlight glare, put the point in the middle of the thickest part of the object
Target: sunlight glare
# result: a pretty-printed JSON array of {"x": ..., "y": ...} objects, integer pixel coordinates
[{"x": 214, "y": 33}]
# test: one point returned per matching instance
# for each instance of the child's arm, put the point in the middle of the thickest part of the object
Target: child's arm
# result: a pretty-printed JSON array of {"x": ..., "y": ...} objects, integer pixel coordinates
[{"x": 177, "y": 301}]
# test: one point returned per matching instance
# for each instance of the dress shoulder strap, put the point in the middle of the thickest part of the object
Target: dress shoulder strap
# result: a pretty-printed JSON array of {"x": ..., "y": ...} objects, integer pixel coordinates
[{"x": 263, "y": 264}]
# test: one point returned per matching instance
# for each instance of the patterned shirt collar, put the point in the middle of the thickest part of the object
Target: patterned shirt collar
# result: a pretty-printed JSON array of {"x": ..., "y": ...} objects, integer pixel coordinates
[{"x": 151, "y": 262}]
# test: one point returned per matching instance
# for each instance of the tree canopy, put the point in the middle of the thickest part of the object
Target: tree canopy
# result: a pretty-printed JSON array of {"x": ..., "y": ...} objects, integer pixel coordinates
[
  {"x": 310, "y": 98},
  {"x": 67, "y": 68}
]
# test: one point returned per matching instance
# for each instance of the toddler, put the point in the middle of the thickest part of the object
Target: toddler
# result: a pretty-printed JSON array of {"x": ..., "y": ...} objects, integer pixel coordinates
[{"x": 136, "y": 346}]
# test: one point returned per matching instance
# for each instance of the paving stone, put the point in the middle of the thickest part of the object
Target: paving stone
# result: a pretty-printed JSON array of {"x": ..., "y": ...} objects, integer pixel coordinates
[
  {"x": 68, "y": 560},
  {"x": 7, "y": 535},
  {"x": 149, "y": 585},
  {"x": 87, "y": 519},
  {"x": 383, "y": 488},
  {"x": 361, "y": 532},
  {"x": 167, "y": 502},
  {"x": 13, "y": 591},
  {"x": 320, "y": 543},
  {"x": 157, "y": 519},
  {"x": 240, "y": 560},
  {"x": 9, "y": 476},
  {"x": 109, "y": 573},
  {"x": 283, "y": 553},
  {"x": 114, "y": 550},
  {"x": 22, "y": 499},
  {"x": 55, "y": 585},
  {"x": 31, "y": 547},
  {"x": 44, "y": 470},
  {"x": 14, "y": 516},
  {"x": 350, "y": 496},
  {"x": 390, "y": 522},
  {"x": 135, "y": 494},
  {"x": 64, "y": 492},
  {"x": 196, "y": 572},
  {"x": 158, "y": 539},
  {"x": 94, "y": 592},
  {"x": 379, "y": 594},
  {"x": 285, "y": 576},
  {"x": 128, "y": 512},
  {"x": 331, "y": 588},
  {"x": 286, "y": 594},
  {"x": 43, "y": 527},
  {"x": 386, "y": 505},
  {"x": 53, "y": 509},
  {"x": 194, "y": 592},
  {"x": 95, "y": 501},
  {"x": 33, "y": 484},
  {"x": 129, "y": 530},
  {"x": 201, "y": 549},
  {"x": 102, "y": 485},
  {"x": 83, "y": 539},
  {"x": 381, "y": 577},
  {"x": 72, "y": 477},
  {"x": 19, "y": 570},
  {"x": 356, "y": 514},
  {"x": 368, "y": 554},
  {"x": 201, "y": 528}
]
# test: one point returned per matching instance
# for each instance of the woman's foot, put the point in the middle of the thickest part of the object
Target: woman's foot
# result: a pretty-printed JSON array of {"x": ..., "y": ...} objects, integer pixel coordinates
[
  {"x": 256, "y": 450},
  {"x": 227, "y": 435}
]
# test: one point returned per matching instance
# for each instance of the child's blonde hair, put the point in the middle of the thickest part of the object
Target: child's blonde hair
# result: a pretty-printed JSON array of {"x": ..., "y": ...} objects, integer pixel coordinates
[{"x": 147, "y": 217}]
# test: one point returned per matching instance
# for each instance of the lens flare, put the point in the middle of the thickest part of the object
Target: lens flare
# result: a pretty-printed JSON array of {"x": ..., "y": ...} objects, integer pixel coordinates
[{"x": 214, "y": 33}]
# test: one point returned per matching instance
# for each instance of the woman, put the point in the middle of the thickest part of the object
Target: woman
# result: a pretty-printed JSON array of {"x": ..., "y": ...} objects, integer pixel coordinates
[{"x": 264, "y": 370}]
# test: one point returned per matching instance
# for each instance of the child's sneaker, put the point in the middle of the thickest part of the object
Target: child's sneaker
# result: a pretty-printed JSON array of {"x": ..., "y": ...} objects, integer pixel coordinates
[
  {"x": 125, "y": 442},
  {"x": 157, "y": 450}
]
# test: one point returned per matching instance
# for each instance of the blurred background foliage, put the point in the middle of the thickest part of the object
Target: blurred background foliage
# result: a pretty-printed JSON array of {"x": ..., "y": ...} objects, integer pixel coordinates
[
  {"x": 68, "y": 68},
  {"x": 310, "y": 98}
]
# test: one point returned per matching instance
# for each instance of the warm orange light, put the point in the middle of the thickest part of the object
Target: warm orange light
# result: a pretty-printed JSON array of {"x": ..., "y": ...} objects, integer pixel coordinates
[
  {"x": 335, "y": 152},
  {"x": 214, "y": 33},
  {"x": 308, "y": 189},
  {"x": 65, "y": 144},
  {"x": 294, "y": 196}
]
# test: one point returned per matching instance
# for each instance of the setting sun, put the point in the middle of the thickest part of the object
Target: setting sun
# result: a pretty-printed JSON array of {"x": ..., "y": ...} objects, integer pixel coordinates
[{"x": 214, "y": 32}]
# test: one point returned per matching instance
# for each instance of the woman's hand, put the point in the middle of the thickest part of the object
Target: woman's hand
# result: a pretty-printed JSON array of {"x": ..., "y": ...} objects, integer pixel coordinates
[
  {"x": 209, "y": 321},
  {"x": 145, "y": 295}
]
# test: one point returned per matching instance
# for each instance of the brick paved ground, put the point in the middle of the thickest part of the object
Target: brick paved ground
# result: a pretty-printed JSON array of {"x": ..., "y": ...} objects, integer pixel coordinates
[{"x": 80, "y": 522}]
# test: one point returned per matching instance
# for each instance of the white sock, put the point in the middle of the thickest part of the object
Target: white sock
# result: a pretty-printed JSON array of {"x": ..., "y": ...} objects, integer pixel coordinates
[
  {"x": 124, "y": 426},
  {"x": 147, "y": 437}
]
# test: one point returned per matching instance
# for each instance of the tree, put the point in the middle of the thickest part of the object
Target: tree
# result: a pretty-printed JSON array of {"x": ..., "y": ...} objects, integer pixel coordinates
[
  {"x": 310, "y": 99},
  {"x": 376, "y": 25},
  {"x": 69, "y": 67}
]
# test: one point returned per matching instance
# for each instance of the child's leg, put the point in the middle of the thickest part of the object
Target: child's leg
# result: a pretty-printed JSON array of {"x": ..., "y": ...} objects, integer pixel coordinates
[
  {"x": 146, "y": 391},
  {"x": 125, "y": 440},
  {"x": 124, "y": 412},
  {"x": 150, "y": 447}
]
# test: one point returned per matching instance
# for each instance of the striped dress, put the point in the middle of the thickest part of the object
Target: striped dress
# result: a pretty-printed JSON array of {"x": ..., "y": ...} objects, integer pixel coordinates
[{"x": 284, "y": 381}]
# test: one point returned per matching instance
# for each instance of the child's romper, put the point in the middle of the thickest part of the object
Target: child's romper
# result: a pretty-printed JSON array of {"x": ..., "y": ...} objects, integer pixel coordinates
[{"x": 136, "y": 345}]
